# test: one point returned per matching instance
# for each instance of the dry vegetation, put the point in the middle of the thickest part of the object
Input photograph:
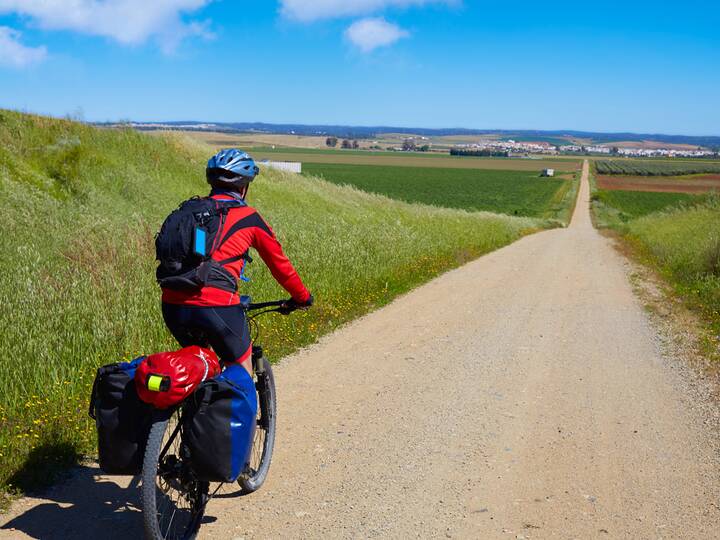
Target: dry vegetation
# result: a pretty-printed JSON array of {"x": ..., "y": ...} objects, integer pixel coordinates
[
  {"x": 224, "y": 140},
  {"x": 404, "y": 159}
]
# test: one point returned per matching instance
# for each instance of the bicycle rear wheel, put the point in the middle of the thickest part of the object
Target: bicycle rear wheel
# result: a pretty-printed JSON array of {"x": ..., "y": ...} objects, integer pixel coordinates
[
  {"x": 173, "y": 500},
  {"x": 264, "y": 441}
]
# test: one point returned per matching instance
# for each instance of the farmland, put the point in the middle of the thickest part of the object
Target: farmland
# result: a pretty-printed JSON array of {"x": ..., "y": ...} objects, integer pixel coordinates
[
  {"x": 83, "y": 294},
  {"x": 221, "y": 139},
  {"x": 415, "y": 159},
  {"x": 438, "y": 142},
  {"x": 668, "y": 184},
  {"x": 655, "y": 168},
  {"x": 310, "y": 150},
  {"x": 628, "y": 205},
  {"x": 510, "y": 192}
]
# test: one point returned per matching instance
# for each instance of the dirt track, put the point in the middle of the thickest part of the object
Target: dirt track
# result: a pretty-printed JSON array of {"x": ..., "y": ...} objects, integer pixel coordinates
[{"x": 523, "y": 395}]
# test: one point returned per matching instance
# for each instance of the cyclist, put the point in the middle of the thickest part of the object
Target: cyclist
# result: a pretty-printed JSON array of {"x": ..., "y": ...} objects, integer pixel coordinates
[{"x": 213, "y": 315}]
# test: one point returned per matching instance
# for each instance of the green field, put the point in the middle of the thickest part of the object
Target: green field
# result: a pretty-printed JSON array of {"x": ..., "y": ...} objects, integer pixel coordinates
[
  {"x": 655, "y": 168},
  {"x": 509, "y": 192},
  {"x": 627, "y": 205},
  {"x": 81, "y": 207}
]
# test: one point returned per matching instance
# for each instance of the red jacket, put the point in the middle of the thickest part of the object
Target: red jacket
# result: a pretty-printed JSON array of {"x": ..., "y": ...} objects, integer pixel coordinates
[{"x": 243, "y": 229}]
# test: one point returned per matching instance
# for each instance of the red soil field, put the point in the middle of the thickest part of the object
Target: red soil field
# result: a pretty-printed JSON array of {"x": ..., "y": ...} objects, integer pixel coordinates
[{"x": 670, "y": 184}]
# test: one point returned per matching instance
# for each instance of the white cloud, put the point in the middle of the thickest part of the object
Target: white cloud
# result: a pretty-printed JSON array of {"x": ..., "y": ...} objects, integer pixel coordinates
[
  {"x": 15, "y": 54},
  {"x": 127, "y": 21},
  {"x": 371, "y": 33},
  {"x": 311, "y": 10}
]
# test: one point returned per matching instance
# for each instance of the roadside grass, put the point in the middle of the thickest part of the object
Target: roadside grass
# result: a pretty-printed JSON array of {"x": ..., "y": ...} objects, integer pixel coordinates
[
  {"x": 81, "y": 207},
  {"x": 685, "y": 244},
  {"x": 517, "y": 193},
  {"x": 678, "y": 235}
]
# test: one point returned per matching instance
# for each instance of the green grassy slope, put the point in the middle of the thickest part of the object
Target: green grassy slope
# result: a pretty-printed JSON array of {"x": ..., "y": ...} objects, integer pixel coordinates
[
  {"x": 80, "y": 209},
  {"x": 510, "y": 192},
  {"x": 685, "y": 243}
]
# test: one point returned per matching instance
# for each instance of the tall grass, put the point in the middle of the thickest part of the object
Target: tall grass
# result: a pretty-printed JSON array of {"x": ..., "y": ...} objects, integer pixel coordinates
[
  {"x": 685, "y": 243},
  {"x": 80, "y": 209}
]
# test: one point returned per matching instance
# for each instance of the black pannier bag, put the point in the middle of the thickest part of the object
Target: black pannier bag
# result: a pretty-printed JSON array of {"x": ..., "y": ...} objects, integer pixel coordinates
[
  {"x": 122, "y": 419},
  {"x": 186, "y": 241},
  {"x": 219, "y": 424}
]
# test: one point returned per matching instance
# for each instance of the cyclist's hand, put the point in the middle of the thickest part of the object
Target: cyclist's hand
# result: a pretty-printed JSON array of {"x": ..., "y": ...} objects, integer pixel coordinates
[
  {"x": 291, "y": 305},
  {"x": 288, "y": 307}
]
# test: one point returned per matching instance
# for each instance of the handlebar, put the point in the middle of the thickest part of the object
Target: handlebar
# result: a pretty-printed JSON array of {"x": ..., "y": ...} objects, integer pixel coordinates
[
  {"x": 262, "y": 305},
  {"x": 284, "y": 307}
]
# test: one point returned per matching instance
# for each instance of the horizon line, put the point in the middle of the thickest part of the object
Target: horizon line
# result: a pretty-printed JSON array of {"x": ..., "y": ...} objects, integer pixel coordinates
[{"x": 404, "y": 128}]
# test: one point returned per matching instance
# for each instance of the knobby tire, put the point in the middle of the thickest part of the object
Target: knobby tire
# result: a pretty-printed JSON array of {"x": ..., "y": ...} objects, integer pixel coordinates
[
  {"x": 173, "y": 503},
  {"x": 264, "y": 441}
]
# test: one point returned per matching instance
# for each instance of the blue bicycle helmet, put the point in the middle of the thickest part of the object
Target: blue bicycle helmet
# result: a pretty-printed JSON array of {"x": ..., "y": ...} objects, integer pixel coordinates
[{"x": 231, "y": 168}]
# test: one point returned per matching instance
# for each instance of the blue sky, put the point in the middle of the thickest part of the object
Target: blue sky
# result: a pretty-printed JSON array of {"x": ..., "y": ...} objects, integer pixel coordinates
[{"x": 611, "y": 66}]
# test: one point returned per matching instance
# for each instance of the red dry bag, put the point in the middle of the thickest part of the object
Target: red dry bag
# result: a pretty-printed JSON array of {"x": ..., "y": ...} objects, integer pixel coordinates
[{"x": 166, "y": 379}]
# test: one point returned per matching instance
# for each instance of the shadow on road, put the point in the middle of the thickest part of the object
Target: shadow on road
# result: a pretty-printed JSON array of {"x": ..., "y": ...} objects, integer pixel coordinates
[{"x": 83, "y": 507}]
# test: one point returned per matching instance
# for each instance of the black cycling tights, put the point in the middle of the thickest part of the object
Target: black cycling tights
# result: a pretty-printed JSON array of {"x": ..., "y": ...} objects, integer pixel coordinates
[{"x": 224, "y": 328}]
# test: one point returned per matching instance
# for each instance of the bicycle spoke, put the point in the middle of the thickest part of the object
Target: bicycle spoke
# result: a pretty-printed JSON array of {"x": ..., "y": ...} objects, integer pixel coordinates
[
  {"x": 167, "y": 532},
  {"x": 258, "y": 448},
  {"x": 179, "y": 502},
  {"x": 170, "y": 441}
]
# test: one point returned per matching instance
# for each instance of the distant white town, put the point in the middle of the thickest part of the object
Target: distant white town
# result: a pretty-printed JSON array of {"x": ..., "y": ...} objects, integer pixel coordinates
[{"x": 516, "y": 147}]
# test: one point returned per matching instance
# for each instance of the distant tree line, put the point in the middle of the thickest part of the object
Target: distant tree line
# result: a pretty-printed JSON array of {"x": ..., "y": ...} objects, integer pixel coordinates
[
  {"x": 332, "y": 142},
  {"x": 348, "y": 144},
  {"x": 484, "y": 152},
  {"x": 410, "y": 146}
]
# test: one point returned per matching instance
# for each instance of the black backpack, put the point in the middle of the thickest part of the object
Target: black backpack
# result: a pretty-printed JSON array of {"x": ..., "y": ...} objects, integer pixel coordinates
[
  {"x": 121, "y": 418},
  {"x": 186, "y": 241}
]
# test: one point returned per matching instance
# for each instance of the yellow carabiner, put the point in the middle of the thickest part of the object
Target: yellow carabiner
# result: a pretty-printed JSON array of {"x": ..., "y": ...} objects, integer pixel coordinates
[{"x": 154, "y": 382}]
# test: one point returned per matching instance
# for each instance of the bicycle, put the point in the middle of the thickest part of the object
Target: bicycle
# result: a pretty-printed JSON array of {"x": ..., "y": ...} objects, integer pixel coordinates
[{"x": 173, "y": 499}]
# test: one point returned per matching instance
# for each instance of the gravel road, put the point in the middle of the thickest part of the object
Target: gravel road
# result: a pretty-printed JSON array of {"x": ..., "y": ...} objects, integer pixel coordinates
[{"x": 524, "y": 395}]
